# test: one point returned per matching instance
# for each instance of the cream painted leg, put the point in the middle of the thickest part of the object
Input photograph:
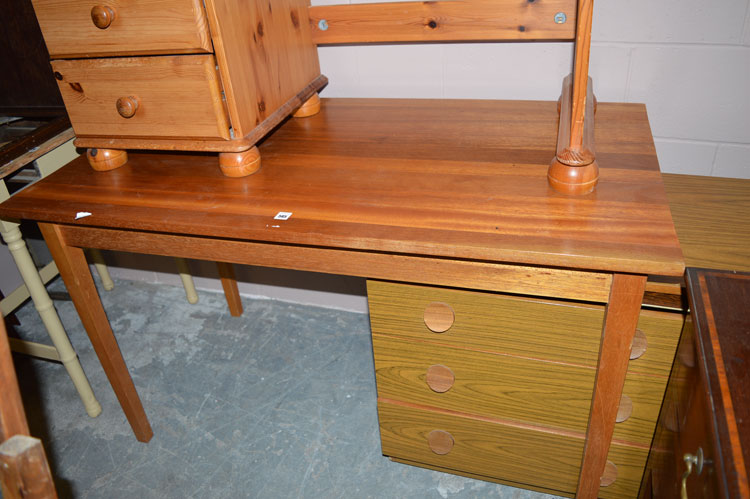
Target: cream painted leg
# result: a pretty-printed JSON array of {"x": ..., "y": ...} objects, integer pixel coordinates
[
  {"x": 101, "y": 269},
  {"x": 187, "y": 280},
  {"x": 12, "y": 236}
]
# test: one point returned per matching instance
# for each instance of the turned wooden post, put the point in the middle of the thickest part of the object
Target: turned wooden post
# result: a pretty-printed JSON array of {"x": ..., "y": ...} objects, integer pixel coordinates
[{"x": 574, "y": 169}]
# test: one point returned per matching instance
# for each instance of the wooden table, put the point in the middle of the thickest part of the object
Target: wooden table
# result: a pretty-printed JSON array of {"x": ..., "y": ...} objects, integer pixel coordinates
[
  {"x": 712, "y": 219},
  {"x": 435, "y": 192}
]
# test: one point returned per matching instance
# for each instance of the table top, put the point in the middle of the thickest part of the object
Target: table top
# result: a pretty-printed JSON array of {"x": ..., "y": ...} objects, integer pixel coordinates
[
  {"x": 459, "y": 179},
  {"x": 712, "y": 218}
]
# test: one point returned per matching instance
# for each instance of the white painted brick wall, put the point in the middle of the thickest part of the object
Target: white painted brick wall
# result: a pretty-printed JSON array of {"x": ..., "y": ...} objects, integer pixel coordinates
[{"x": 687, "y": 60}]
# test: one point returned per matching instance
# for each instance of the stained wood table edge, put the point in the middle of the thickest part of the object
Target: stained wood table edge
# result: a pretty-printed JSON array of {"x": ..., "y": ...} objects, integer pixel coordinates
[{"x": 559, "y": 282}]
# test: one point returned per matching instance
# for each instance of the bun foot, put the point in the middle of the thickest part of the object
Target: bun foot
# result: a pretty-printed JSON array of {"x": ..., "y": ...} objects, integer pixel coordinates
[
  {"x": 309, "y": 108},
  {"x": 240, "y": 164},
  {"x": 574, "y": 180},
  {"x": 103, "y": 160}
]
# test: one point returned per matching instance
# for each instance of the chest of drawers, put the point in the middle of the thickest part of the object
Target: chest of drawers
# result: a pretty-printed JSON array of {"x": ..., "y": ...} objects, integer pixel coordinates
[
  {"x": 701, "y": 444},
  {"x": 499, "y": 387},
  {"x": 180, "y": 74}
]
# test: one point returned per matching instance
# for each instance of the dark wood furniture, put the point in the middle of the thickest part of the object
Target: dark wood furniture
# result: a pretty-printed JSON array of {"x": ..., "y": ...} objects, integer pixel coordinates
[
  {"x": 24, "y": 471},
  {"x": 701, "y": 445},
  {"x": 441, "y": 194},
  {"x": 27, "y": 87}
]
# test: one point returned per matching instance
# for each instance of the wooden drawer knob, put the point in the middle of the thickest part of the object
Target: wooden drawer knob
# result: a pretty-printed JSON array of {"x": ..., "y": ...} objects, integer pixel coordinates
[
  {"x": 438, "y": 317},
  {"x": 102, "y": 16},
  {"x": 639, "y": 344},
  {"x": 609, "y": 476},
  {"x": 440, "y": 442},
  {"x": 439, "y": 378},
  {"x": 127, "y": 106},
  {"x": 625, "y": 410}
]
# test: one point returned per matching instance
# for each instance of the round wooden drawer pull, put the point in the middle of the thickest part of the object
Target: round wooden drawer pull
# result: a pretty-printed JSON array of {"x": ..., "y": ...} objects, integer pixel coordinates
[
  {"x": 438, "y": 317},
  {"x": 439, "y": 378},
  {"x": 625, "y": 410},
  {"x": 102, "y": 16},
  {"x": 440, "y": 442},
  {"x": 609, "y": 476},
  {"x": 639, "y": 344},
  {"x": 127, "y": 106}
]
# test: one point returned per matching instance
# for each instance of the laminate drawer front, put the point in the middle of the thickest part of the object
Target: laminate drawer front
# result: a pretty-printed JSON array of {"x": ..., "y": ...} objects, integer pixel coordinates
[
  {"x": 549, "y": 330},
  {"x": 514, "y": 454},
  {"x": 496, "y": 386},
  {"x": 629, "y": 461},
  {"x": 77, "y": 28},
  {"x": 490, "y": 322},
  {"x": 661, "y": 331},
  {"x": 640, "y": 411},
  {"x": 167, "y": 96}
]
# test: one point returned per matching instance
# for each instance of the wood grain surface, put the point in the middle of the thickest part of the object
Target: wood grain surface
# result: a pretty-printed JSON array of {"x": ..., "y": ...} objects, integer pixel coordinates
[
  {"x": 523, "y": 455},
  {"x": 580, "y": 90},
  {"x": 28, "y": 148},
  {"x": 720, "y": 304},
  {"x": 178, "y": 96},
  {"x": 12, "y": 415},
  {"x": 504, "y": 387},
  {"x": 24, "y": 470},
  {"x": 464, "y": 20},
  {"x": 459, "y": 179},
  {"x": 140, "y": 27},
  {"x": 539, "y": 329},
  {"x": 236, "y": 145},
  {"x": 75, "y": 273},
  {"x": 621, "y": 319},
  {"x": 265, "y": 55},
  {"x": 711, "y": 218}
]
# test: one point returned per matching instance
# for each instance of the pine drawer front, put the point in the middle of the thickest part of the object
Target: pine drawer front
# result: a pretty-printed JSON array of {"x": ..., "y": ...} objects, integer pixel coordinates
[
  {"x": 496, "y": 386},
  {"x": 129, "y": 27},
  {"x": 176, "y": 96},
  {"x": 509, "y": 453},
  {"x": 490, "y": 322}
]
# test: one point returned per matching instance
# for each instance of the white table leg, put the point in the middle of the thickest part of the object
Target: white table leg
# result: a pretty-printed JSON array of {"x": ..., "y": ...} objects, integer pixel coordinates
[
  {"x": 187, "y": 280},
  {"x": 43, "y": 304},
  {"x": 101, "y": 268}
]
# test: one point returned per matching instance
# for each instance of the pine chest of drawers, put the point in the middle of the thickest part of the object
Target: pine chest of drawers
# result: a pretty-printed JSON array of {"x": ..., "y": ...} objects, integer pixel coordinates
[
  {"x": 180, "y": 74},
  {"x": 499, "y": 387}
]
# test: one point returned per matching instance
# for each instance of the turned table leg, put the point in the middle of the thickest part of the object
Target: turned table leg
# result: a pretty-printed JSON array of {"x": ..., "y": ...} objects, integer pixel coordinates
[
  {"x": 311, "y": 107},
  {"x": 620, "y": 321},
  {"x": 11, "y": 234},
  {"x": 103, "y": 160},
  {"x": 187, "y": 280},
  {"x": 240, "y": 164},
  {"x": 74, "y": 271}
]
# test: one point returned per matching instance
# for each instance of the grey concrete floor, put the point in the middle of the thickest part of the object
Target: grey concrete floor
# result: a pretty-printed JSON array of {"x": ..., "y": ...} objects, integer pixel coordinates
[{"x": 277, "y": 403}]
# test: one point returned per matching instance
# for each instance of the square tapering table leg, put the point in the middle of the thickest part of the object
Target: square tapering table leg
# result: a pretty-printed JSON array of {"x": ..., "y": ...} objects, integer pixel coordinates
[
  {"x": 74, "y": 270},
  {"x": 620, "y": 321},
  {"x": 231, "y": 291}
]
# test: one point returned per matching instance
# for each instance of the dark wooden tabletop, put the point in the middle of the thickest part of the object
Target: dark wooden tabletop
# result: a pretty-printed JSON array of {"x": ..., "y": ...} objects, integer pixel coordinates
[{"x": 450, "y": 178}]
